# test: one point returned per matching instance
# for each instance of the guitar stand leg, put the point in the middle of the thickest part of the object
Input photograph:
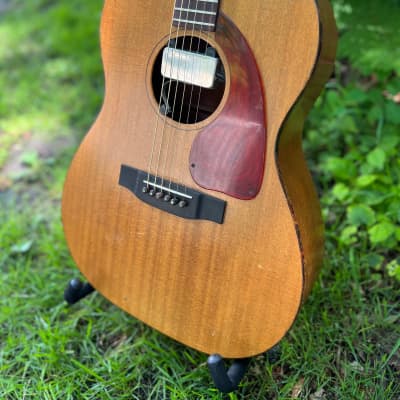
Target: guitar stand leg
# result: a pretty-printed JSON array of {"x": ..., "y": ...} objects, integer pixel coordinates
[
  {"x": 76, "y": 290},
  {"x": 228, "y": 381}
]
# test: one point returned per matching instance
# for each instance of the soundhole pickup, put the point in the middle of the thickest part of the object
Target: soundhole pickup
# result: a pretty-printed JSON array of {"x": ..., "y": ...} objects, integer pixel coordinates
[
  {"x": 189, "y": 67},
  {"x": 188, "y": 78},
  {"x": 171, "y": 197}
]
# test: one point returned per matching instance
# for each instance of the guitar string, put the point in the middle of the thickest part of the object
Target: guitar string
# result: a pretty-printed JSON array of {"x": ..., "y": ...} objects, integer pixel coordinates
[
  {"x": 190, "y": 49},
  {"x": 159, "y": 110},
  {"x": 200, "y": 38},
  {"x": 200, "y": 90},
  {"x": 168, "y": 96},
  {"x": 174, "y": 134},
  {"x": 158, "y": 114},
  {"x": 191, "y": 92},
  {"x": 174, "y": 148},
  {"x": 167, "y": 100}
]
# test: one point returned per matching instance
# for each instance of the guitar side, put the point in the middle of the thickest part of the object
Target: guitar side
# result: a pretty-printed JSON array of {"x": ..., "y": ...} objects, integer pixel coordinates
[
  {"x": 300, "y": 191},
  {"x": 234, "y": 288}
]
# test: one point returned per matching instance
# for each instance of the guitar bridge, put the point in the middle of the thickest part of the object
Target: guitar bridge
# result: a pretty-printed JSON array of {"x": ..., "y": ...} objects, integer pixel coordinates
[{"x": 171, "y": 197}]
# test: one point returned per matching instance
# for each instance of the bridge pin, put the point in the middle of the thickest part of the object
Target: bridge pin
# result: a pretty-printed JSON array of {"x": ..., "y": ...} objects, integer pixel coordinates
[
  {"x": 174, "y": 201},
  {"x": 159, "y": 195},
  {"x": 182, "y": 203},
  {"x": 167, "y": 198}
]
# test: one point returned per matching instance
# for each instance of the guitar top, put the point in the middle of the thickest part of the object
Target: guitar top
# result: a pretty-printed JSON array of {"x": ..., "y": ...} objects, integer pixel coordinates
[{"x": 189, "y": 203}]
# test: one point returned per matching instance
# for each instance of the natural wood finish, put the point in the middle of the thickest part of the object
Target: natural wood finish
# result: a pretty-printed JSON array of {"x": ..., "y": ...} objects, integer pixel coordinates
[
  {"x": 299, "y": 187},
  {"x": 234, "y": 288}
]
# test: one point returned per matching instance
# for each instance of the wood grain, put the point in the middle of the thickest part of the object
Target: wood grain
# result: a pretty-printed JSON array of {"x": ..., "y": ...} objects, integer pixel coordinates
[{"x": 235, "y": 288}]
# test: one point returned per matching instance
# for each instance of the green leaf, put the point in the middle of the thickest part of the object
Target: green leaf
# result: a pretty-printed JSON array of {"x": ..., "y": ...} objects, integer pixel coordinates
[
  {"x": 390, "y": 140},
  {"x": 341, "y": 191},
  {"x": 374, "y": 260},
  {"x": 381, "y": 232},
  {"x": 347, "y": 236},
  {"x": 355, "y": 96},
  {"x": 393, "y": 211},
  {"x": 394, "y": 269},
  {"x": 375, "y": 114},
  {"x": 365, "y": 180},
  {"x": 392, "y": 111},
  {"x": 377, "y": 158},
  {"x": 348, "y": 124},
  {"x": 360, "y": 215},
  {"x": 22, "y": 247},
  {"x": 372, "y": 197},
  {"x": 341, "y": 168}
]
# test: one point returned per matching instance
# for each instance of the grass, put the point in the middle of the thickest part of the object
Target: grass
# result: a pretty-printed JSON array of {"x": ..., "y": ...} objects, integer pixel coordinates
[
  {"x": 345, "y": 341},
  {"x": 344, "y": 345}
]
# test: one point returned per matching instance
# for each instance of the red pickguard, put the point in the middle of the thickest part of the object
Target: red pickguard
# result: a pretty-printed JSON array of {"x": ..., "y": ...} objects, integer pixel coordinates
[{"x": 229, "y": 154}]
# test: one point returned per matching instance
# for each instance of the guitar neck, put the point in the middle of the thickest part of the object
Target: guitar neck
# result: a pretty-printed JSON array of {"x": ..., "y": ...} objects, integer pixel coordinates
[{"x": 200, "y": 15}]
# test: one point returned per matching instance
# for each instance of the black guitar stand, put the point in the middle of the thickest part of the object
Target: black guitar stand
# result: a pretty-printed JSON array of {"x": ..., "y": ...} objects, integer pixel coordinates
[
  {"x": 226, "y": 381},
  {"x": 77, "y": 290}
]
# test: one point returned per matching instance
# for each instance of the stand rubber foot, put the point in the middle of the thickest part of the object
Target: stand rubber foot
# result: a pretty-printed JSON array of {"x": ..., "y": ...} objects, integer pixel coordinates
[
  {"x": 76, "y": 290},
  {"x": 227, "y": 381}
]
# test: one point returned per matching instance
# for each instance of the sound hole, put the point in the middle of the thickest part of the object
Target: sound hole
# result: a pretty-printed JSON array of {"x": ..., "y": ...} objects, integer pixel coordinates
[{"x": 189, "y": 78}]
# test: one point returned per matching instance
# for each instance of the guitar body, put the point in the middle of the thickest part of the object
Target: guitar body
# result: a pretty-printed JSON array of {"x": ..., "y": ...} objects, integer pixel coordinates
[{"x": 232, "y": 287}]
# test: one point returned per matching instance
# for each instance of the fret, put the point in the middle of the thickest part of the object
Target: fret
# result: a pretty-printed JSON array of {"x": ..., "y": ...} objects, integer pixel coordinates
[
  {"x": 198, "y": 11},
  {"x": 186, "y": 21},
  {"x": 196, "y": 14}
]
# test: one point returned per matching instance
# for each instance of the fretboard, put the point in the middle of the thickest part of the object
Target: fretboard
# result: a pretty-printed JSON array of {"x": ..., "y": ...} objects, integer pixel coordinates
[{"x": 200, "y": 15}]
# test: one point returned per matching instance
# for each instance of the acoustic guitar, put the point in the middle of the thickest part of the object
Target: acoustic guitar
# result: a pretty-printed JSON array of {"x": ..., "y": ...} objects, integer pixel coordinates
[{"x": 189, "y": 203}]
